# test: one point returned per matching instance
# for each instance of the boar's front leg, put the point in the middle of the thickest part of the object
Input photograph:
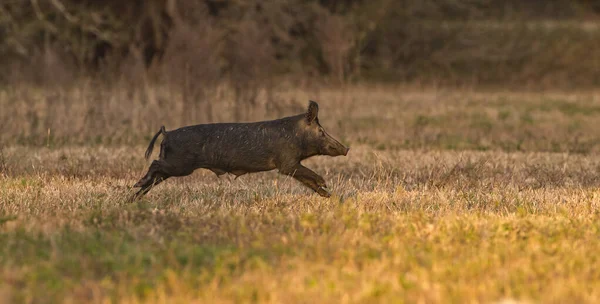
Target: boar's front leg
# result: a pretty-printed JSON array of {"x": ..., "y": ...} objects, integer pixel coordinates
[{"x": 307, "y": 177}]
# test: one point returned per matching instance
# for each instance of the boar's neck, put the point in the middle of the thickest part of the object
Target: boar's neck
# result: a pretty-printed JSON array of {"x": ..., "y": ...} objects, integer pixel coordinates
[{"x": 291, "y": 138}]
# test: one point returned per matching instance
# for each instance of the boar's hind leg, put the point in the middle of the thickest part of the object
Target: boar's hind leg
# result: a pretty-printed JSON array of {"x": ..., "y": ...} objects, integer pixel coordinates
[
  {"x": 307, "y": 177},
  {"x": 159, "y": 171},
  {"x": 159, "y": 178}
]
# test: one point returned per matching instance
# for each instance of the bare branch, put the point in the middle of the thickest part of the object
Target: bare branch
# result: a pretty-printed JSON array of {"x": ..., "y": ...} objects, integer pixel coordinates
[
  {"x": 38, "y": 12},
  {"x": 60, "y": 7}
]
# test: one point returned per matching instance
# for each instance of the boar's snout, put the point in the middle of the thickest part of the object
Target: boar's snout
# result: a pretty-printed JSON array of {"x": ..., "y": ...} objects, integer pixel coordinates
[
  {"x": 335, "y": 149},
  {"x": 343, "y": 150}
]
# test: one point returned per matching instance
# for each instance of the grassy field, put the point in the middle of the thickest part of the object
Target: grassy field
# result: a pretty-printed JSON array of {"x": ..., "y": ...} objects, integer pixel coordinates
[{"x": 446, "y": 196}]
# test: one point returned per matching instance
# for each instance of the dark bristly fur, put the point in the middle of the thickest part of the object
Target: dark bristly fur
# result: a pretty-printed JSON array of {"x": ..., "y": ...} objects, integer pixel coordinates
[{"x": 240, "y": 148}]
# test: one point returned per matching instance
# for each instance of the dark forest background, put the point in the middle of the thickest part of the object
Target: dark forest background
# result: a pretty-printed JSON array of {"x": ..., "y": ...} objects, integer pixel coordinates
[{"x": 534, "y": 43}]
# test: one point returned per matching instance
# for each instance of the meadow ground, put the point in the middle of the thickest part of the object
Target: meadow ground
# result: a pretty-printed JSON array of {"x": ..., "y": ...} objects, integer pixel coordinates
[{"x": 446, "y": 196}]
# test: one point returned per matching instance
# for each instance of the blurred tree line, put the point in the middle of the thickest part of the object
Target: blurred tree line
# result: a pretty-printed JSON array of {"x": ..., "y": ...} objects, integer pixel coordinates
[{"x": 537, "y": 42}]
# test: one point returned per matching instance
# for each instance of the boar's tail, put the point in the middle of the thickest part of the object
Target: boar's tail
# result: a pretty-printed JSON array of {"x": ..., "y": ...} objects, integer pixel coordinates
[{"x": 151, "y": 146}]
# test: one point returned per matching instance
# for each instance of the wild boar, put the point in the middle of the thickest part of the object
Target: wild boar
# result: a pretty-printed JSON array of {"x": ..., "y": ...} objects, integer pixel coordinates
[{"x": 240, "y": 148}]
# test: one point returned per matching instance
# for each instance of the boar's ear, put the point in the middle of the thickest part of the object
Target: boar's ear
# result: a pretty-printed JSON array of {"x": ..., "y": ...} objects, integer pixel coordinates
[{"x": 313, "y": 111}]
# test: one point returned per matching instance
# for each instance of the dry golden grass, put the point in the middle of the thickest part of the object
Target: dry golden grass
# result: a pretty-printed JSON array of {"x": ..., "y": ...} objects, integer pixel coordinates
[
  {"x": 408, "y": 226},
  {"x": 412, "y": 225}
]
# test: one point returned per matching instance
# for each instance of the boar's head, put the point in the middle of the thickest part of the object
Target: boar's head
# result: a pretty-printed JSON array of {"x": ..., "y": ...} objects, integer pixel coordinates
[{"x": 316, "y": 140}]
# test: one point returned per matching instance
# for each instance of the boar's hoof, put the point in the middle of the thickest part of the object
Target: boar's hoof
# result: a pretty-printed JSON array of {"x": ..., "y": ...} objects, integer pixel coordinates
[
  {"x": 322, "y": 192},
  {"x": 321, "y": 183}
]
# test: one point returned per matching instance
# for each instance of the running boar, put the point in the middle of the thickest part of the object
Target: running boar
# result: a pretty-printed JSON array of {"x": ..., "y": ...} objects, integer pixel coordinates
[{"x": 240, "y": 148}]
